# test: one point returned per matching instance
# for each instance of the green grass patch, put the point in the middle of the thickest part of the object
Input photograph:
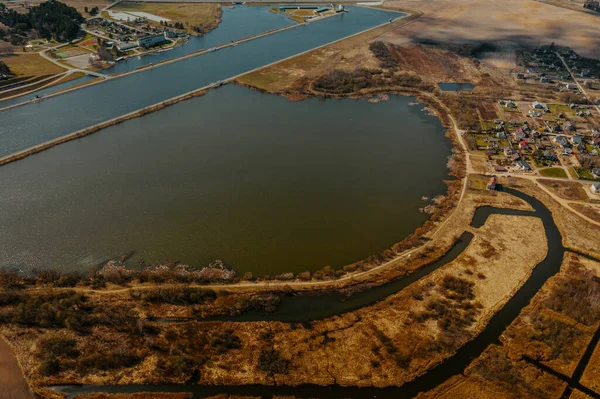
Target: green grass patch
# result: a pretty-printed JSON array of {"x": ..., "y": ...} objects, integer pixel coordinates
[
  {"x": 487, "y": 125},
  {"x": 586, "y": 174},
  {"x": 553, "y": 172}
]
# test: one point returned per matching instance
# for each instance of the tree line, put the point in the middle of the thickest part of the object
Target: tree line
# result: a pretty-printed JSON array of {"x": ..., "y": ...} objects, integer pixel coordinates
[{"x": 51, "y": 19}]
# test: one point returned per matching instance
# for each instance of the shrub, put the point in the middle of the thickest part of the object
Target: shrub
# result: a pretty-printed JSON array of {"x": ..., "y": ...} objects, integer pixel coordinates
[
  {"x": 176, "y": 296},
  {"x": 49, "y": 366},
  {"x": 383, "y": 54},
  {"x": 577, "y": 296},
  {"x": 271, "y": 362},
  {"x": 225, "y": 340},
  {"x": 56, "y": 345},
  {"x": 115, "y": 359}
]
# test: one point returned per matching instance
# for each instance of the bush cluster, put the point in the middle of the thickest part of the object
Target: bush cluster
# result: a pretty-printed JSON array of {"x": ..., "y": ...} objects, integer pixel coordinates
[
  {"x": 271, "y": 362},
  {"x": 175, "y": 295},
  {"x": 383, "y": 54}
]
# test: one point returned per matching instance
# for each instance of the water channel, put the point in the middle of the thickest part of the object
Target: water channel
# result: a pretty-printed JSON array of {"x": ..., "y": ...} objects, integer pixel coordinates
[
  {"x": 263, "y": 183},
  {"x": 32, "y": 124},
  {"x": 452, "y": 366},
  {"x": 238, "y": 22}
]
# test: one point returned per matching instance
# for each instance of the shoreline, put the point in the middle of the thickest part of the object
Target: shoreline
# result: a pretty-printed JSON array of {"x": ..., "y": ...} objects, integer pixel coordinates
[{"x": 374, "y": 270}]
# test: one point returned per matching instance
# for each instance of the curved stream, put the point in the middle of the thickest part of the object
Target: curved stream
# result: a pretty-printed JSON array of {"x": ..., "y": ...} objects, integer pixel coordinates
[{"x": 452, "y": 366}]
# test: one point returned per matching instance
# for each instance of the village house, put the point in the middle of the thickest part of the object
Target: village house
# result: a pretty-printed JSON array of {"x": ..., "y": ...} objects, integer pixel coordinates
[
  {"x": 534, "y": 114},
  {"x": 548, "y": 155},
  {"x": 539, "y": 105},
  {"x": 515, "y": 157},
  {"x": 492, "y": 184},
  {"x": 524, "y": 166},
  {"x": 523, "y": 145},
  {"x": 596, "y": 173},
  {"x": 596, "y": 188},
  {"x": 519, "y": 135},
  {"x": 568, "y": 127},
  {"x": 561, "y": 140},
  {"x": 576, "y": 140},
  {"x": 556, "y": 128}
]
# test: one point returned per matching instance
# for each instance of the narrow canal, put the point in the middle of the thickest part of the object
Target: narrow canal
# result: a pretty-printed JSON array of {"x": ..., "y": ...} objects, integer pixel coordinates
[
  {"x": 452, "y": 366},
  {"x": 238, "y": 22},
  {"x": 32, "y": 124}
]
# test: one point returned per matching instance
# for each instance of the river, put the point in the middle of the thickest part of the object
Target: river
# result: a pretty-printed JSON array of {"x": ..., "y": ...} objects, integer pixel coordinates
[
  {"x": 263, "y": 183},
  {"x": 32, "y": 124},
  {"x": 455, "y": 365}
]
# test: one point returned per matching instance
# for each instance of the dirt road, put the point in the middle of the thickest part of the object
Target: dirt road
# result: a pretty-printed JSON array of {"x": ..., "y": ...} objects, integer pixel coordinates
[{"x": 12, "y": 382}]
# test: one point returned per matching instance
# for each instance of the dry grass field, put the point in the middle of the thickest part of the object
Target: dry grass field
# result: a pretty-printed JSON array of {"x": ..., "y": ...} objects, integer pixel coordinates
[
  {"x": 495, "y": 28},
  {"x": 30, "y": 64},
  {"x": 190, "y": 14}
]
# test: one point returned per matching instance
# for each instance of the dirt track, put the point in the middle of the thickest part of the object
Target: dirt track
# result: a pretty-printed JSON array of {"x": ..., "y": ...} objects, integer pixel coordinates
[{"x": 12, "y": 382}]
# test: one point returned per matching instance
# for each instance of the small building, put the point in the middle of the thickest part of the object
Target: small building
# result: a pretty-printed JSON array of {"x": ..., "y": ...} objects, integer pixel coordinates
[
  {"x": 595, "y": 188},
  {"x": 534, "y": 114},
  {"x": 523, "y": 145},
  {"x": 545, "y": 79},
  {"x": 152, "y": 40},
  {"x": 515, "y": 157},
  {"x": 519, "y": 135},
  {"x": 126, "y": 46},
  {"x": 576, "y": 140},
  {"x": 492, "y": 184},
  {"x": 539, "y": 105},
  {"x": 524, "y": 166},
  {"x": 568, "y": 127},
  {"x": 596, "y": 173},
  {"x": 548, "y": 155}
]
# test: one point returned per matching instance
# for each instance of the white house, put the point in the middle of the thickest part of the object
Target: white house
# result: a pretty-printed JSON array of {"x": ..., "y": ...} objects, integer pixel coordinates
[{"x": 596, "y": 188}]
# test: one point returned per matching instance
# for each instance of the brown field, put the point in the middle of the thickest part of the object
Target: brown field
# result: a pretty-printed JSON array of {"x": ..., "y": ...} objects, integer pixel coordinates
[
  {"x": 554, "y": 329},
  {"x": 504, "y": 25},
  {"x": 576, "y": 232},
  {"x": 191, "y": 14},
  {"x": 593, "y": 212},
  {"x": 383, "y": 344},
  {"x": 591, "y": 375},
  {"x": 568, "y": 190}
]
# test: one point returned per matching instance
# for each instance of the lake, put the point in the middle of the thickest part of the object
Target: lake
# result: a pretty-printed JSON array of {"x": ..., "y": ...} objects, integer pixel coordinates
[
  {"x": 32, "y": 124},
  {"x": 265, "y": 184}
]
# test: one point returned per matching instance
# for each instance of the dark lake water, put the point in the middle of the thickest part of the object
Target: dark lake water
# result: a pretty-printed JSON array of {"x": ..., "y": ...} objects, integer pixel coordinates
[
  {"x": 423, "y": 383},
  {"x": 33, "y": 124},
  {"x": 263, "y": 183},
  {"x": 456, "y": 86}
]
